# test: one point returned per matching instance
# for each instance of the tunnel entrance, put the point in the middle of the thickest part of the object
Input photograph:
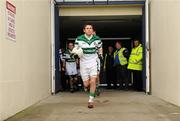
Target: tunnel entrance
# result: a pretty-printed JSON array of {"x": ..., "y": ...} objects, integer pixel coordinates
[
  {"x": 121, "y": 23},
  {"x": 109, "y": 28}
]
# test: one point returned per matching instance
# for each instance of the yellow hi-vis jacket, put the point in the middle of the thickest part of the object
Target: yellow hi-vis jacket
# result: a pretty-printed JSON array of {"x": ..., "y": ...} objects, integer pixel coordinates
[
  {"x": 122, "y": 59},
  {"x": 136, "y": 58}
]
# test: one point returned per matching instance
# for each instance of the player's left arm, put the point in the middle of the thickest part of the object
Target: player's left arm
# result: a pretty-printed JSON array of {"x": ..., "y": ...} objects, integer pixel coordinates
[{"x": 100, "y": 49}]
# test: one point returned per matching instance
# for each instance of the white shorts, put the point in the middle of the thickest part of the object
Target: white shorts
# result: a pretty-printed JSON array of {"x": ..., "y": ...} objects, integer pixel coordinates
[
  {"x": 71, "y": 68},
  {"x": 87, "y": 72}
]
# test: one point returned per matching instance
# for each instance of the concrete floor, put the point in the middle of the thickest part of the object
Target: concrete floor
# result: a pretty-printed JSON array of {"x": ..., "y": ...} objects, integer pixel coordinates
[{"x": 110, "y": 106}]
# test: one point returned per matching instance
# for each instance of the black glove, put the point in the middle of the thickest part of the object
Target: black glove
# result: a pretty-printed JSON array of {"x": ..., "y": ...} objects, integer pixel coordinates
[
  {"x": 76, "y": 56},
  {"x": 72, "y": 55},
  {"x": 101, "y": 58}
]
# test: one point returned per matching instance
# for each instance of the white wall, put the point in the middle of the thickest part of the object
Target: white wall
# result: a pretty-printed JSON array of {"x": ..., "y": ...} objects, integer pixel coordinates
[
  {"x": 165, "y": 47},
  {"x": 25, "y": 64}
]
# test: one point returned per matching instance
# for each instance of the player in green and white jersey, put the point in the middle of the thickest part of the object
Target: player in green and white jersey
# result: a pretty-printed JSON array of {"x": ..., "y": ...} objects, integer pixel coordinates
[
  {"x": 88, "y": 61},
  {"x": 70, "y": 64}
]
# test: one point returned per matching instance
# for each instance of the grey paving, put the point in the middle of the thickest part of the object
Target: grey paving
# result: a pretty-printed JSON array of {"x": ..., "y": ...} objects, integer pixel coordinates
[{"x": 110, "y": 106}]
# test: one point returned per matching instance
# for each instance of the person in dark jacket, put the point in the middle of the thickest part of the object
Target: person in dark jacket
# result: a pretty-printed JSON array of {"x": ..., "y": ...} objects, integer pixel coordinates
[{"x": 109, "y": 69}]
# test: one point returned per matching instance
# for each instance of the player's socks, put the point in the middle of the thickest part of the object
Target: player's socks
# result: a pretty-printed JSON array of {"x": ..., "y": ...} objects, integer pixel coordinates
[{"x": 91, "y": 97}]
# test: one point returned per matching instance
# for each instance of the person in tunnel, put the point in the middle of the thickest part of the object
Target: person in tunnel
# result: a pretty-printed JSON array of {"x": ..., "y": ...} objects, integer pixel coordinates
[
  {"x": 109, "y": 68},
  {"x": 70, "y": 65},
  {"x": 121, "y": 56},
  {"x": 135, "y": 65},
  {"x": 89, "y": 43}
]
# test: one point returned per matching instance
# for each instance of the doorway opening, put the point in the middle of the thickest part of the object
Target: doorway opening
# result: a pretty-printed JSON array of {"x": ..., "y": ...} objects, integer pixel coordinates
[{"x": 110, "y": 28}]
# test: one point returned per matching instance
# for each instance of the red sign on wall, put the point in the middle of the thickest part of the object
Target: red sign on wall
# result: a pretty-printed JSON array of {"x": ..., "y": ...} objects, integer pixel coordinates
[
  {"x": 10, "y": 7},
  {"x": 11, "y": 28}
]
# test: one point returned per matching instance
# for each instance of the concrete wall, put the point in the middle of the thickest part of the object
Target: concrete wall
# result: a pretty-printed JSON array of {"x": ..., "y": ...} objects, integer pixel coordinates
[
  {"x": 165, "y": 47},
  {"x": 25, "y": 64}
]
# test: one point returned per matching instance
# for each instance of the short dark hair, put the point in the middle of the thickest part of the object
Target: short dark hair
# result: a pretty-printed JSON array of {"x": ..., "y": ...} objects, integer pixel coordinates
[
  {"x": 119, "y": 42},
  {"x": 84, "y": 26},
  {"x": 70, "y": 43},
  {"x": 137, "y": 40}
]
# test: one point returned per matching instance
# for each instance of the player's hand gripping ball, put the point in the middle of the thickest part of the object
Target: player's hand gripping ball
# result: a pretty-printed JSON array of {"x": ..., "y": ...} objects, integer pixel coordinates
[{"x": 78, "y": 51}]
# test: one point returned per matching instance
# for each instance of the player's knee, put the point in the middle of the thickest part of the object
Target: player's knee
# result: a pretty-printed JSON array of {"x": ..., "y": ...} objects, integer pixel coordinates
[
  {"x": 93, "y": 81},
  {"x": 86, "y": 83}
]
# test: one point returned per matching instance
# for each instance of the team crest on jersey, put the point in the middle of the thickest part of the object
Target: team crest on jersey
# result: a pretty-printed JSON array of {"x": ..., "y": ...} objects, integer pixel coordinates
[{"x": 95, "y": 44}]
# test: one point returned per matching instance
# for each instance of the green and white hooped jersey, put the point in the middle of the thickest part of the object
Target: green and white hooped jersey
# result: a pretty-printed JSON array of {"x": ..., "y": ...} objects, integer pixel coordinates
[
  {"x": 89, "y": 45},
  {"x": 67, "y": 56},
  {"x": 71, "y": 66}
]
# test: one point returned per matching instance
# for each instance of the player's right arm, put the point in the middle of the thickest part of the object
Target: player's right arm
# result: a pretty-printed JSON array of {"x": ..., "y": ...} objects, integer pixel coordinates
[{"x": 77, "y": 50}]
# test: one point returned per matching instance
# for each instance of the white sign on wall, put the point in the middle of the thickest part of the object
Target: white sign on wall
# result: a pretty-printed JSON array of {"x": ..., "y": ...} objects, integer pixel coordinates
[{"x": 11, "y": 25}]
